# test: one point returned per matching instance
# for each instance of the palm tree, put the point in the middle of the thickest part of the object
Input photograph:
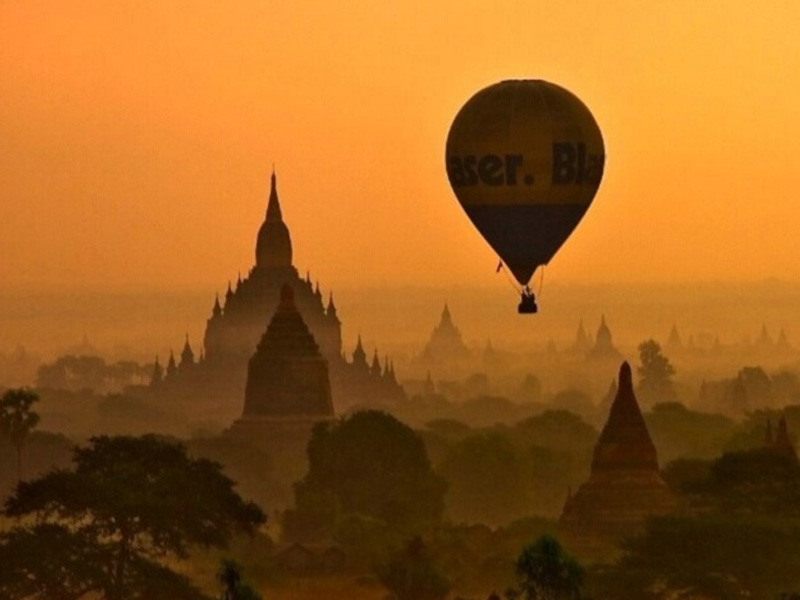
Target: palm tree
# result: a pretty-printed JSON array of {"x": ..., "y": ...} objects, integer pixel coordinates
[
  {"x": 233, "y": 588},
  {"x": 547, "y": 572},
  {"x": 17, "y": 419}
]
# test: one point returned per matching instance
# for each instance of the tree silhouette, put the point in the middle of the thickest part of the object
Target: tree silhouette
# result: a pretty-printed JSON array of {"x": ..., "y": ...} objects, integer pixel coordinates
[
  {"x": 229, "y": 577},
  {"x": 547, "y": 572},
  {"x": 104, "y": 528},
  {"x": 371, "y": 464},
  {"x": 711, "y": 555},
  {"x": 487, "y": 480},
  {"x": 411, "y": 575},
  {"x": 655, "y": 373},
  {"x": 17, "y": 420}
]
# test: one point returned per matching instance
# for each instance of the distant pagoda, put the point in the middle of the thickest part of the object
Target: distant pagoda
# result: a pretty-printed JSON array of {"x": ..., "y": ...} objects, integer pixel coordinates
[
  {"x": 603, "y": 348},
  {"x": 446, "y": 343},
  {"x": 625, "y": 486},
  {"x": 781, "y": 443},
  {"x": 583, "y": 342},
  {"x": 674, "y": 343}
]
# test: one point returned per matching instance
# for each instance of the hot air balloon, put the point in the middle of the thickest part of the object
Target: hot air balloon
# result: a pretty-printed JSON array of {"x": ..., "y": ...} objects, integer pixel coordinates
[{"x": 525, "y": 159}]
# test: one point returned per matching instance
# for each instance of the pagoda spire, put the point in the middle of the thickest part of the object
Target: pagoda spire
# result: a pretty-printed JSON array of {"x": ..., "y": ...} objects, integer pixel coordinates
[
  {"x": 274, "y": 206},
  {"x": 187, "y": 355},
  {"x": 330, "y": 312},
  {"x": 359, "y": 356},
  {"x": 217, "y": 310},
  {"x": 446, "y": 318},
  {"x": 274, "y": 244},
  {"x": 171, "y": 366},
  {"x": 375, "y": 370}
]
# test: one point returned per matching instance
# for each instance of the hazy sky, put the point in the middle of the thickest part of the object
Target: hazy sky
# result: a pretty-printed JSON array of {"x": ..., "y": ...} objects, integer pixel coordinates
[{"x": 137, "y": 138}]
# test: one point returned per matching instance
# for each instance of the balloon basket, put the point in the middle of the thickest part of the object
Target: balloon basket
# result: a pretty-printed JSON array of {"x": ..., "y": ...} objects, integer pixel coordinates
[{"x": 527, "y": 304}]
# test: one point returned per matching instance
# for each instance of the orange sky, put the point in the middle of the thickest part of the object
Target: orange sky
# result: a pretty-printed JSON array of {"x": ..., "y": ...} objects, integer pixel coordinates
[{"x": 136, "y": 138}]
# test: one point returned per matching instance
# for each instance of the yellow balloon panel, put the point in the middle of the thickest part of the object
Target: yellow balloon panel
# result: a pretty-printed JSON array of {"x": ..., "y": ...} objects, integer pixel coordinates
[{"x": 526, "y": 142}]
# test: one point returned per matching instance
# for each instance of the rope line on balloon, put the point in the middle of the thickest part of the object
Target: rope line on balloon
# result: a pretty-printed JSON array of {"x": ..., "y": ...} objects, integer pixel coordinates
[
  {"x": 541, "y": 282},
  {"x": 502, "y": 267}
]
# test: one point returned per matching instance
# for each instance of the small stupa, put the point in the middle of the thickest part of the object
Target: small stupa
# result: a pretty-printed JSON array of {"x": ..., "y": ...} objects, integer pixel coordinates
[
  {"x": 781, "y": 443},
  {"x": 674, "y": 343},
  {"x": 625, "y": 486}
]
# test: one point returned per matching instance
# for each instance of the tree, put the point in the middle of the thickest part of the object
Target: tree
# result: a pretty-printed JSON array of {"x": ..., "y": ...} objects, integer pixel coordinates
[
  {"x": 546, "y": 572},
  {"x": 105, "y": 527},
  {"x": 655, "y": 373},
  {"x": 488, "y": 480},
  {"x": 233, "y": 588},
  {"x": 756, "y": 385},
  {"x": 371, "y": 464},
  {"x": 17, "y": 420},
  {"x": 707, "y": 556},
  {"x": 411, "y": 574},
  {"x": 760, "y": 481}
]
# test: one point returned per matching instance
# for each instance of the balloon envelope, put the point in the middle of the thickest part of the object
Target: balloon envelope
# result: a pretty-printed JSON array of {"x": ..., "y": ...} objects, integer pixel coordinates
[{"x": 525, "y": 159}]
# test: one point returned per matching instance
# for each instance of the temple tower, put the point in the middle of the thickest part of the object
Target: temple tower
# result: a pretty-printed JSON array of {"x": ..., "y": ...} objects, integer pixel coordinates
[
  {"x": 287, "y": 392},
  {"x": 625, "y": 486},
  {"x": 287, "y": 376}
]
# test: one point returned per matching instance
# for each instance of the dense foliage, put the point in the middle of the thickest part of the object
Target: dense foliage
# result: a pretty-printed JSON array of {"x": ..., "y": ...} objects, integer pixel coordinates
[
  {"x": 739, "y": 538},
  {"x": 17, "y": 419},
  {"x": 489, "y": 480},
  {"x": 106, "y": 526},
  {"x": 546, "y": 572},
  {"x": 411, "y": 574},
  {"x": 368, "y": 464}
]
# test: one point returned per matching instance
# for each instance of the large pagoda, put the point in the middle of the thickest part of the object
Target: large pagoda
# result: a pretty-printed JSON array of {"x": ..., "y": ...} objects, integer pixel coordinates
[
  {"x": 214, "y": 383},
  {"x": 625, "y": 486}
]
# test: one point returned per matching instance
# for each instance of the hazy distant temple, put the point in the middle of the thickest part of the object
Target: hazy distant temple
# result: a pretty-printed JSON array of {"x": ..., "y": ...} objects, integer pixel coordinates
[
  {"x": 445, "y": 343},
  {"x": 237, "y": 323},
  {"x": 603, "y": 348},
  {"x": 625, "y": 486},
  {"x": 780, "y": 443}
]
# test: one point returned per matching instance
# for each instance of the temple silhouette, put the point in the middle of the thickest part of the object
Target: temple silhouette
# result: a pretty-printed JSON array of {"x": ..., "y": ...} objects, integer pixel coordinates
[
  {"x": 445, "y": 343},
  {"x": 236, "y": 325},
  {"x": 779, "y": 443},
  {"x": 603, "y": 348},
  {"x": 625, "y": 486}
]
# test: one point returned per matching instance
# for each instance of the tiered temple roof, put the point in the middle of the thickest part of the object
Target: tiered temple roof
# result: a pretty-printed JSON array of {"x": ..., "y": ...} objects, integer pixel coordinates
[{"x": 287, "y": 375}]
